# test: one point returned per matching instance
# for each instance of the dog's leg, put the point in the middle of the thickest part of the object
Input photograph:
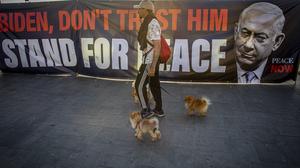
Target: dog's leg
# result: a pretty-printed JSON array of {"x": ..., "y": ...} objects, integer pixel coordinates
[
  {"x": 190, "y": 111},
  {"x": 158, "y": 135},
  {"x": 152, "y": 134},
  {"x": 139, "y": 135},
  {"x": 202, "y": 113},
  {"x": 155, "y": 135}
]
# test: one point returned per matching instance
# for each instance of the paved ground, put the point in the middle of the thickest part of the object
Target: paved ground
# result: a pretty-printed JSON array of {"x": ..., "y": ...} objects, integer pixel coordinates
[{"x": 65, "y": 122}]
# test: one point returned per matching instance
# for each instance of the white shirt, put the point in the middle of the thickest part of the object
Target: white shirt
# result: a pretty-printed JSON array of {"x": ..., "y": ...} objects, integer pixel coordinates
[
  {"x": 258, "y": 73},
  {"x": 153, "y": 33}
]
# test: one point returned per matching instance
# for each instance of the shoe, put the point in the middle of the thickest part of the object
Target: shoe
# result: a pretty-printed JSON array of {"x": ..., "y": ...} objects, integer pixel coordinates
[
  {"x": 159, "y": 113},
  {"x": 146, "y": 114}
]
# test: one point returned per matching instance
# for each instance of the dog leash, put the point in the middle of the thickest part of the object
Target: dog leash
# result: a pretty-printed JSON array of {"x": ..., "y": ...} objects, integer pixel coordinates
[
  {"x": 168, "y": 93},
  {"x": 165, "y": 90}
]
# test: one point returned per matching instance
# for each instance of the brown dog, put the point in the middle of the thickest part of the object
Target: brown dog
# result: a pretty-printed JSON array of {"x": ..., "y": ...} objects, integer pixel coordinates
[
  {"x": 196, "y": 106},
  {"x": 143, "y": 126}
]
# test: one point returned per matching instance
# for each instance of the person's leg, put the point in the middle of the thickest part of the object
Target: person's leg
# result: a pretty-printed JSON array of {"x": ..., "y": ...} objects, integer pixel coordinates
[
  {"x": 140, "y": 86},
  {"x": 156, "y": 92}
]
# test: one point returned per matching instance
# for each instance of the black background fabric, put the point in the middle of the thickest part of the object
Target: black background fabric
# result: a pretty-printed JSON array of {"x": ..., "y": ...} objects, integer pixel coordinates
[{"x": 289, "y": 49}]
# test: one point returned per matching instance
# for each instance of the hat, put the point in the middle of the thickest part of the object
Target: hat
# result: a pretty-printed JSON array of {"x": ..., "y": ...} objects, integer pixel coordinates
[{"x": 145, "y": 4}]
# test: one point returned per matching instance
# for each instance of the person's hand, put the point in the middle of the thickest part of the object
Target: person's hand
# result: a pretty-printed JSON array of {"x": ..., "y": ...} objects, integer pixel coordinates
[{"x": 151, "y": 71}]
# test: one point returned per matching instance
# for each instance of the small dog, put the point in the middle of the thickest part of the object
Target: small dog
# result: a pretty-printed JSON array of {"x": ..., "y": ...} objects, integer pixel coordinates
[
  {"x": 143, "y": 126},
  {"x": 196, "y": 106},
  {"x": 135, "y": 96}
]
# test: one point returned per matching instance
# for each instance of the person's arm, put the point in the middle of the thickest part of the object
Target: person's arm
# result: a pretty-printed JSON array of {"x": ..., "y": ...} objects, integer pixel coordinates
[{"x": 156, "y": 53}]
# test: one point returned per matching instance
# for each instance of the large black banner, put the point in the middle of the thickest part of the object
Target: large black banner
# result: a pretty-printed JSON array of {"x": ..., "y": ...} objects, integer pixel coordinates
[{"x": 211, "y": 41}]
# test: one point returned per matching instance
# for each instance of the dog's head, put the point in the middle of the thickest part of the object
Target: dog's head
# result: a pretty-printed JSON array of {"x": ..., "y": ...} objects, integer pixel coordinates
[
  {"x": 202, "y": 101},
  {"x": 135, "y": 116},
  {"x": 188, "y": 99}
]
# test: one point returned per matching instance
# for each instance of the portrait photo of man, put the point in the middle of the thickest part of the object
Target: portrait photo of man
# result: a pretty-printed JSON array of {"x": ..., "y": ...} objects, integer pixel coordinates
[{"x": 257, "y": 34}]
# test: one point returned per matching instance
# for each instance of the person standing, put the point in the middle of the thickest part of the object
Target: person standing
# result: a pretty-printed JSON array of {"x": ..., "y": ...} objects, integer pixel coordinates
[{"x": 149, "y": 39}]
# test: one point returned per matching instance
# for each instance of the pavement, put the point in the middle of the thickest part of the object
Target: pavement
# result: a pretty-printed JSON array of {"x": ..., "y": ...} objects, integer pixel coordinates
[{"x": 74, "y": 122}]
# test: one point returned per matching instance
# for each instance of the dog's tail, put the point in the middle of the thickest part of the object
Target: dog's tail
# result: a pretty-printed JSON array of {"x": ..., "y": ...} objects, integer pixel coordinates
[{"x": 206, "y": 100}]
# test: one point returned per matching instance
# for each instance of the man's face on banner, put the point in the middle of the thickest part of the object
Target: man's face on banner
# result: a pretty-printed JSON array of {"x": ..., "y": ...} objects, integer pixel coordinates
[{"x": 254, "y": 39}]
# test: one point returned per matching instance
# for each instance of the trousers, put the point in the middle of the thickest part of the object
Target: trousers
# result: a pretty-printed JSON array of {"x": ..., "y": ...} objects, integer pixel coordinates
[{"x": 142, "y": 80}]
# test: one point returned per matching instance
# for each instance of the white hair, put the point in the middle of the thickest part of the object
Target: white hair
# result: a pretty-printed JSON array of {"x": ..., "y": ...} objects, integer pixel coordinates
[{"x": 267, "y": 8}]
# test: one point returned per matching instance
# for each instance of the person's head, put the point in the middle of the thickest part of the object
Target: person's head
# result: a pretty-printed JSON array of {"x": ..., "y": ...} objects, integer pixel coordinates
[
  {"x": 144, "y": 8},
  {"x": 257, "y": 34}
]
